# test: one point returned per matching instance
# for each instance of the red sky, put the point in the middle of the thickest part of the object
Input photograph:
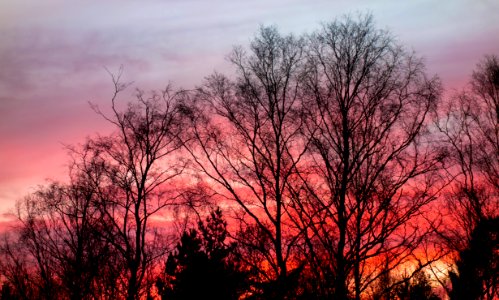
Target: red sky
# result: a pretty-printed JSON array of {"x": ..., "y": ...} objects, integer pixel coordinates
[{"x": 53, "y": 54}]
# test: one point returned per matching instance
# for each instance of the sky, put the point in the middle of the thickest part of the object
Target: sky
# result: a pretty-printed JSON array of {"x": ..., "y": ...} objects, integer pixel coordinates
[{"x": 54, "y": 56}]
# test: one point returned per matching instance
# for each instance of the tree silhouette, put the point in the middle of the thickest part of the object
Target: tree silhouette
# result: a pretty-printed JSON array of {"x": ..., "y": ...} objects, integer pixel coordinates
[
  {"x": 14, "y": 269},
  {"x": 93, "y": 237},
  {"x": 470, "y": 128},
  {"x": 470, "y": 131},
  {"x": 202, "y": 265},
  {"x": 138, "y": 170},
  {"x": 59, "y": 252},
  {"x": 416, "y": 288},
  {"x": 247, "y": 143},
  {"x": 371, "y": 168},
  {"x": 412, "y": 286},
  {"x": 478, "y": 265}
]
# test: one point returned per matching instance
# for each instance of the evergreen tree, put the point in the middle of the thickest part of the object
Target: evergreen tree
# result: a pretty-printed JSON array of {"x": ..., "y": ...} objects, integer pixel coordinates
[{"x": 203, "y": 265}]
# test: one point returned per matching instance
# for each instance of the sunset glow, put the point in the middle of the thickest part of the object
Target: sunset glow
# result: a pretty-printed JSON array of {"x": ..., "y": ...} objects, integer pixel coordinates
[{"x": 327, "y": 148}]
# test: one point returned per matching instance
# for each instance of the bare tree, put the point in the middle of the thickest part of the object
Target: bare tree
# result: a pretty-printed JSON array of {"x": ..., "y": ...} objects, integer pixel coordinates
[
  {"x": 371, "y": 170},
  {"x": 15, "y": 269},
  {"x": 470, "y": 128},
  {"x": 247, "y": 144},
  {"x": 59, "y": 253},
  {"x": 140, "y": 165},
  {"x": 93, "y": 237}
]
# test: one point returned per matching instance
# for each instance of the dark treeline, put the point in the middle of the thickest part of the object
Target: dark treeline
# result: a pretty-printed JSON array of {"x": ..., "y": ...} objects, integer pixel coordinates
[{"x": 329, "y": 166}]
